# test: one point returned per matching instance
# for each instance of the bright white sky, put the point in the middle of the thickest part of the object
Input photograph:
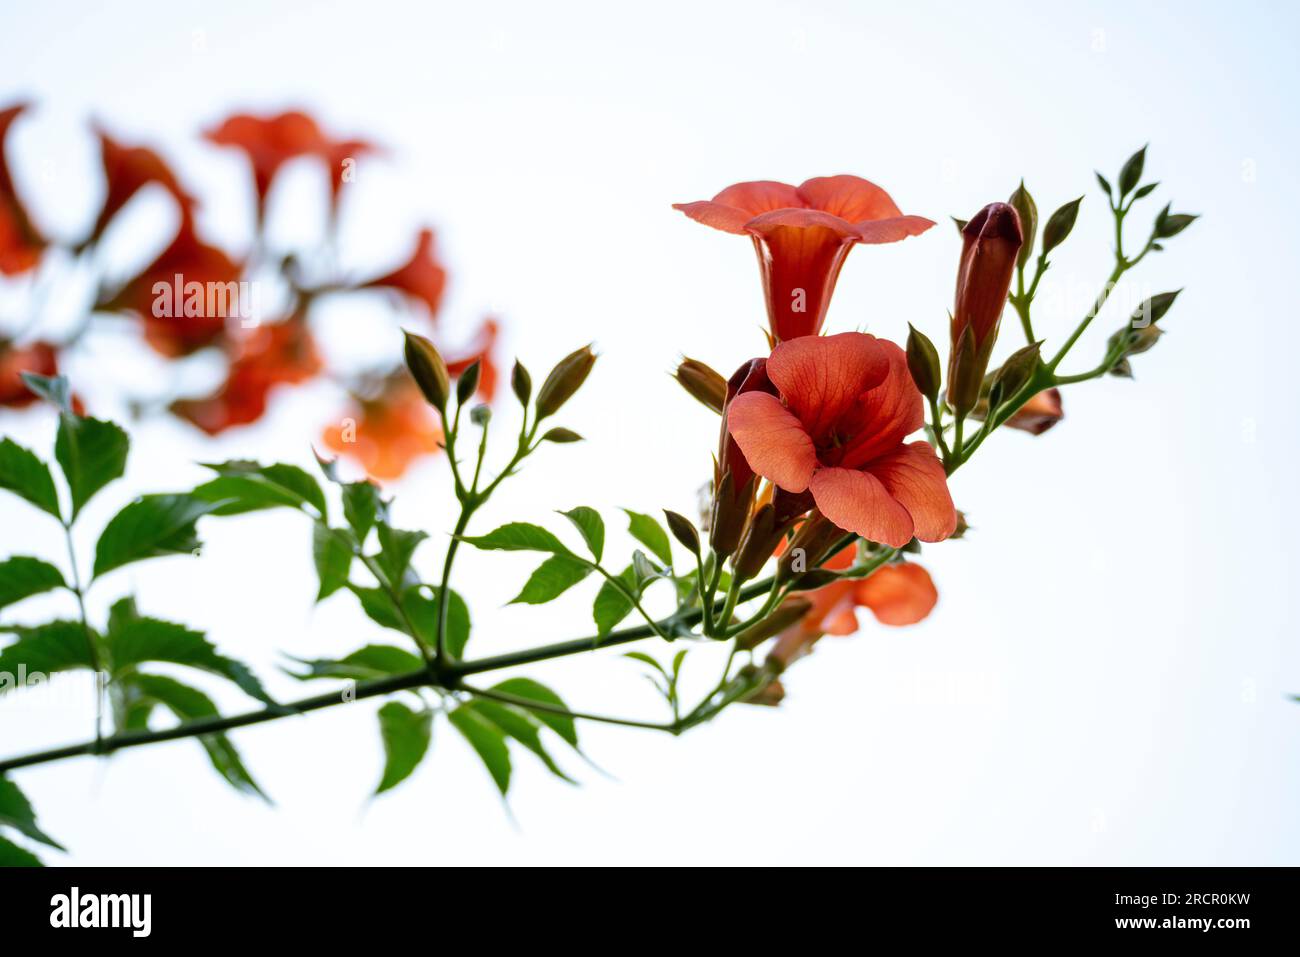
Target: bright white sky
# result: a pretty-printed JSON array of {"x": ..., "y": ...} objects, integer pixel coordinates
[{"x": 1104, "y": 680}]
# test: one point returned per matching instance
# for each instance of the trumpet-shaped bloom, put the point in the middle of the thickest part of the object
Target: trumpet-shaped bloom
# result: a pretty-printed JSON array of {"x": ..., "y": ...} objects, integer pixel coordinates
[
  {"x": 837, "y": 430},
  {"x": 898, "y": 595},
  {"x": 269, "y": 356},
  {"x": 269, "y": 142},
  {"x": 802, "y": 235},
  {"x": 421, "y": 277},
  {"x": 179, "y": 324},
  {"x": 127, "y": 170},
  {"x": 20, "y": 243}
]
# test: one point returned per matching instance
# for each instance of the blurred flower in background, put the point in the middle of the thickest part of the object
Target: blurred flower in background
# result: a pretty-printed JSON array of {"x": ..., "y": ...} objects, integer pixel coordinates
[{"x": 255, "y": 311}]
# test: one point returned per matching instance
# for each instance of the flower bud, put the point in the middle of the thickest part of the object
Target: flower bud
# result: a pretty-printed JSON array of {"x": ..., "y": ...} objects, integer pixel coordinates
[
  {"x": 1060, "y": 224},
  {"x": 790, "y": 611},
  {"x": 428, "y": 370},
  {"x": 923, "y": 362},
  {"x": 992, "y": 241},
  {"x": 730, "y": 510},
  {"x": 561, "y": 435},
  {"x": 1027, "y": 210},
  {"x": 734, "y": 481},
  {"x": 1014, "y": 374},
  {"x": 1038, "y": 414},
  {"x": 683, "y": 531},
  {"x": 521, "y": 383},
  {"x": 565, "y": 379},
  {"x": 703, "y": 383},
  {"x": 760, "y": 541},
  {"x": 468, "y": 382},
  {"x": 809, "y": 546}
]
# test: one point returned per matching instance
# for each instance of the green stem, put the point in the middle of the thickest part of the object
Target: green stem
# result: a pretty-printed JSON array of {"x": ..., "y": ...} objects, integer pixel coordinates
[
  {"x": 530, "y": 704},
  {"x": 92, "y": 646},
  {"x": 452, "y": 672}
]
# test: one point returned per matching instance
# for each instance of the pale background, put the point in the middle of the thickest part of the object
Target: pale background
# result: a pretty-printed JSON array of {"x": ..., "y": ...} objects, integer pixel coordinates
[{"x": 1105, "y": 678}]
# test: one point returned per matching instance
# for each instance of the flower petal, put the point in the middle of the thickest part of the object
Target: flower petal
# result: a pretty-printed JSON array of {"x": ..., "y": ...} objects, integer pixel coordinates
[
  {"x": 736, "y": 205},
  {"x": 858, "y": 502},
  {"x": 914, "y": 476},
  {"x": 849, "y": 197},
  {"x": 887, "y": 415},
  {"x": 772, "y": 439},
  {"x": 892, "y": 230},
  {"x": 898, "y": 594},
  {"x": 823, "y": 377}
]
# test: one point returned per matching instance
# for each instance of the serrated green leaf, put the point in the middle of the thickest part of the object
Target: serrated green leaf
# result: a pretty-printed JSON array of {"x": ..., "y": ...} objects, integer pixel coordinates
[
  {"x": 44, "y": 649},
  {"x": 530, "y": 690},
  {"x": 150, "y": 527},
  {"x": 21, "y": 577},
  {"x": 332, "y": 555},
  {"x": 11, "y": 855},
  {"x": 591, "y": 525},
  {"x": 22, "y": 473},
  {"x": 395, "y": 550},
  {"x": 651, "y": 534},
  {"x": 487, "y": 740},
  {"x": 91, "y": 453},
  {"x": 406, "y": 735},
  {"x": 189, "y": 704},
  {"x": 422, "y": 611},
  {"x": 141, "y": 640},
  {"x": 551, "y": 579},
  {"x": 520, "y": 537},
  {"x": 612, "y": 605},
  {"x": 523, "y": 728},
  {"x": 361, "y": 504},
  {"x": 372, "y": 661},
  {"x": 16, "y": 812},
  {"x": 246, "y": 486}
]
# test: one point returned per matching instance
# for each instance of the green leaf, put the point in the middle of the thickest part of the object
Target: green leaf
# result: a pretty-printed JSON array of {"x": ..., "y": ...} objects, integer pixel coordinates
[
  {"x": 53, "y": 389},
  {"x": 520, "y": 537},
  {"x": 246, "y": 486},
  {"x": 21, "y": 577},
  {"x": 150, "y": 527},
  {"x": 190, "y": 704},
  {"x": 92, "y": 453},
  {"x": 551, "y": 579},
  {"x": 139, "y": 640},
  {"x": 11, "y": 855},
  {"x": 332, "y": 554},
  {"x": 372, "y": 661},
  {"x": 520, "y": 726},
  {"x": 44, "y": 649},
  {"x": 406, "y": 736},
  {"x": 651, "y": 534},
  {"x": 22, "y": 473},
  {"x": 487, "y": 740},
  {"x": 16, "y": 812},
  {"x": 361, "y": 504},
  {"x": 395, "y": 550},
  {"x": 422, "y": 611},
  {"x": 1105, "y": 185},
  {"x": 591, "y": 525},
  {"x": 612, "y": 604},
  {"x": 527, "y": 688}
]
